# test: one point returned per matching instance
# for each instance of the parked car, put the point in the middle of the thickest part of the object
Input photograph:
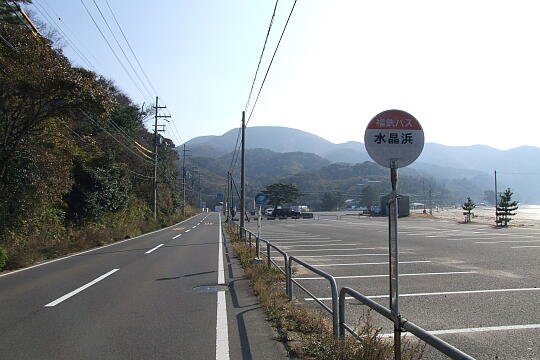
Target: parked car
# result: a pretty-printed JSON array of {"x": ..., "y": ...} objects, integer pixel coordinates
[{"x": 268, "y": 211}]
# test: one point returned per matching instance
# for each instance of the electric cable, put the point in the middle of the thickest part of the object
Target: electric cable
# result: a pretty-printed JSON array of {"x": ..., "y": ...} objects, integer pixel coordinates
[{"x": 271, "y": 61}]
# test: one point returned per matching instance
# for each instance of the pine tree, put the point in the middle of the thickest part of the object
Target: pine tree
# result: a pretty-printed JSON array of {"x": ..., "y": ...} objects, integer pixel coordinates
[
  {"x": 468, "y": 206},
  {"x": 506, "y": 208}
]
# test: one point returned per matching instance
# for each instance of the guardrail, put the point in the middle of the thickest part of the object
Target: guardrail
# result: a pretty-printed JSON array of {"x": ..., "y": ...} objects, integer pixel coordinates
[
  {"x": 337, "y": 310},
  {"x": 333, "y": 288},
  {"x": 422, "y": 334}
]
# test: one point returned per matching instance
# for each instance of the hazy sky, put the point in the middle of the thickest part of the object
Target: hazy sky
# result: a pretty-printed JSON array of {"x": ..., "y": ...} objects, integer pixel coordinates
[{"x": 469, "y": 71}]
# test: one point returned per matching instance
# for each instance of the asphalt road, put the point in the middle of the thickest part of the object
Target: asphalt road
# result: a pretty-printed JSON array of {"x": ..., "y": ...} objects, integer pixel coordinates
[
  {"x": 474, "y": 286},
  {"x": 135, "y": 299}
]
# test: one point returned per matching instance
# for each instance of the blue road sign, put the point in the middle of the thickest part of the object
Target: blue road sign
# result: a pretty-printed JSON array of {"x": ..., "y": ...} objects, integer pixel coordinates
[
  {"x": 219, "y": 196},
  {"x": 260, "y": 199}
]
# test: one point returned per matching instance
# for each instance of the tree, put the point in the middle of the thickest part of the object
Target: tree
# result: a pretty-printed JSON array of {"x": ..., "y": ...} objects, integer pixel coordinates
[
  {"x": 370, "y": 195},
  {"x": 279, "y": 193},
  {"x": 330, "y": 201},
  {"x": 468, "y": 206},
  {"x": 506, "y": 208}
]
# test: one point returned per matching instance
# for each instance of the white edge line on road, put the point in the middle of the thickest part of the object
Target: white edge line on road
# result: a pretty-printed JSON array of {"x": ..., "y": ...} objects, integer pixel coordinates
[
  {"x": 464, "y": 292},
  {"x": 386, "y": 275},
  {"x": 472, "y": 330},
  {"x": 188, "y": 230},
  {"x": 506, "y": 241},
  {"x": 153, "y": 249},
  {"x": 177, "y": 236},
  {"x": 94, "y": 249},
  {"x": 521, "y": 247},
  {"x": 76, "y": 291},
  {"x": 373, "y": 263},
  {"x": 222, "y": 329}
]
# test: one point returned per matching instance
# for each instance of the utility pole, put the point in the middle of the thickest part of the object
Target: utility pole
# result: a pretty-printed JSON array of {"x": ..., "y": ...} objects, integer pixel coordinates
[
  {"x": 226, "y": 204},
  {"x": 200, "y": 200},
  {"x": 156, "y": 139},
  {"x": 194, "y": 170},
  {"x": 184, "y": 150},
  {"x": 243, "y": 177}
]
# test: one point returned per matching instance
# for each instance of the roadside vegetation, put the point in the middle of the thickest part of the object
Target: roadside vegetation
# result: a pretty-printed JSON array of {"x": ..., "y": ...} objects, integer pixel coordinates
[
  {"x": 307, "y": 331},
  {"x": 75, "y": 164}
]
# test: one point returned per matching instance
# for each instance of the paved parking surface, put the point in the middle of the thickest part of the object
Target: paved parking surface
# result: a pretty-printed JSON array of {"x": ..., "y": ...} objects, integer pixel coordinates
[{"x": 475, "y": 286}]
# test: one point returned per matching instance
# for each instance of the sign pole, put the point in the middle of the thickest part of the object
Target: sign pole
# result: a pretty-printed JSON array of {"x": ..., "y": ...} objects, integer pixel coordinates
[
  {"x": 393, "y": 214},
  {"x": 394, "y": 139},
  {"x": 258, "y": 244}
]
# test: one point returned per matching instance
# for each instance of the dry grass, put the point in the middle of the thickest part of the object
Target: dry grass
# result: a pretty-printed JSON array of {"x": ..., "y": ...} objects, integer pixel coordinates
[{"x": 307, "y": 331}]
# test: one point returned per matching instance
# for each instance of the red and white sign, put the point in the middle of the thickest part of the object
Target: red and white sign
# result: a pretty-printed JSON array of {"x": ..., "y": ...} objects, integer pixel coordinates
[{"x": 394, "y": 138}]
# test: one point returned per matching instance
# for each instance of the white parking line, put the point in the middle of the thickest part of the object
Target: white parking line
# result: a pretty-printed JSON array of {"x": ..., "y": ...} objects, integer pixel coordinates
[
  {"x": 188, "y": 230},
  {"x": 472, "y": 330},
  {"x": 151, "y": 250},
  {"x": 507, "y": 241},
  {"x": 340, "y": 255},
  {"x": 349, "y": 249},
  {"x": 522, "y": 247},
  {"x": 193, "y": 227},
  {"x": 464, "y": 292},
  {"x": 78, "y": 290},
  {"x": 305, "y": 241},
  {"x": 174, "y": 237},
  {"x": 386, "y": 275},
  {"x": 373, "y": 263},
  {"x": 289, "y": 246}
]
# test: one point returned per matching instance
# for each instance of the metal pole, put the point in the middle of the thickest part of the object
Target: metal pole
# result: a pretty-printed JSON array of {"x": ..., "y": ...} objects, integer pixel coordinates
[
  {"x": 155, "y": 159},
  {"x": 184, "y": 180},
  {"x": 258, "y": 245},
  {"x": 394, "y": 262},
  {"x": 496, "y": 200},
  {"x": 243, "y": 173},
  {"x": 430, "y": 203}
]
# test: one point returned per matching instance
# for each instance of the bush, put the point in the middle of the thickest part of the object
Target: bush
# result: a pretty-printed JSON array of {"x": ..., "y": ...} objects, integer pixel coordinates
[{"x": 3, "y": 257}]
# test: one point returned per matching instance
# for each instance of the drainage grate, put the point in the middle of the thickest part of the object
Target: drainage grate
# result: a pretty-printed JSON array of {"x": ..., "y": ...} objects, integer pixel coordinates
[{"x": 210, "y": 288}]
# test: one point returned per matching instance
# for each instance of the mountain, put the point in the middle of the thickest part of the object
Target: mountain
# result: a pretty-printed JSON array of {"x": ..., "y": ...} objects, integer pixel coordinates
[{"x": 467, "y": 169}]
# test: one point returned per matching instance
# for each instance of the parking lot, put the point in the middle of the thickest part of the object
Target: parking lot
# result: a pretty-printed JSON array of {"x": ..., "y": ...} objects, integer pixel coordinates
[{"x": 475, "y": 286}]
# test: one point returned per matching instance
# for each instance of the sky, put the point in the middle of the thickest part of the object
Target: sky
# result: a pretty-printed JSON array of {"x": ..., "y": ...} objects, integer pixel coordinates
[{"x": 467, "y": 70}]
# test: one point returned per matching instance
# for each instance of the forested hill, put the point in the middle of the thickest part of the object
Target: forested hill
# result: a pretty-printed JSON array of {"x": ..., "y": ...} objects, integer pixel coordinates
[{"x": 75, "y": 168}]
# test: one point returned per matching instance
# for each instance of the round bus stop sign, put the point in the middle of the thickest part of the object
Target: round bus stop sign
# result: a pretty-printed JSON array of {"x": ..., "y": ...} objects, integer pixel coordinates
[
  {"x": 394, "y": 139},
  {"x": 260, "y": 199}
]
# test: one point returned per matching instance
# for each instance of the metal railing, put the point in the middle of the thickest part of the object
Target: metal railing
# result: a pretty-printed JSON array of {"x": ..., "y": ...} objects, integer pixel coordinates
[
  {"x": 333, "y": 288},
  {"x": 422, "y": 334}
]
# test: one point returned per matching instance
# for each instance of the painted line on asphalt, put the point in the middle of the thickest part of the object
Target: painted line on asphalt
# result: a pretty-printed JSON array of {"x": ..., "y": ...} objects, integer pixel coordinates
[
  {"x": 188, "y": 230},
  {"x": 305, "y": 241},
  {"x": 464, "y": 292},
  {"x": 386, "y": 275},
  {"x": 154, "y": 249},
  {"x": 222, "y": 329},
  {"x": 341, "y": 255},
  {"x": 507, "y": 241},
  {"x": 193, "y": 227},
  {"x": 289, "y": 246},
  {"x": 525, "y": 246},
  {"x": 373, "y": 263},
  {"x": 94, "y": 249},
  {"x": 349, "y": 249},
  {"x": 472, "y": 330},
  {"x": 78, "y": 290},
  {"x": 177, "y": 236}
]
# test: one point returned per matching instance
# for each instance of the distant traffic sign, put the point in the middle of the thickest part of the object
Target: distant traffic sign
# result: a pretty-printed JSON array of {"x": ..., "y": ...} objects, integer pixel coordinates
[
  {"x": 219, "y": 196},
  {"x": 260, "y": 199},
  {"x": 394, "y": 138}
]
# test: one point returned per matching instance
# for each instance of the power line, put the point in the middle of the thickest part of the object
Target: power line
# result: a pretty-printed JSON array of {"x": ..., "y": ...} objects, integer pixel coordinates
[
  {"x": 271, "y": 61},
  {"x": 130, "y": 48},
  {"x": 149, "y": 93},
  {"x": 111, "y": 48},
  {"x": 262, "y": 53},
  {"x": 45, "y": 14}
]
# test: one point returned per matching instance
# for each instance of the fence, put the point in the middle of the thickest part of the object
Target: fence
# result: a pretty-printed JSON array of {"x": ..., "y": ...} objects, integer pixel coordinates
[{"x": 337, "y": 310}]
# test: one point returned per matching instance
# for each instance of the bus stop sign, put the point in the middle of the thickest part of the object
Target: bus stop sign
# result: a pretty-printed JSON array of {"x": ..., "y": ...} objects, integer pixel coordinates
[{"x": 394, "y": 139}]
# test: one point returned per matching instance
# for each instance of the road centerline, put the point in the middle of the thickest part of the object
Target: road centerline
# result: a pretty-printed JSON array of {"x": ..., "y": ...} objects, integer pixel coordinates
[
  {"x": 78, "y": 290},
  {"x": 154, "y": 249}
]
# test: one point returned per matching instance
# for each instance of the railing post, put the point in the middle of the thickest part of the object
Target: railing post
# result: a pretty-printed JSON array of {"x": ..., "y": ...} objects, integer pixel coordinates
[
  {"x": 257, "y": 247},
  {"x": 342, "y": 294},
  {"x": 268, "y": 255},
  {"x": 250, "y": 240},
  {"x": 335, "y": 310},
  {"x": 288, "y": 277}
]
